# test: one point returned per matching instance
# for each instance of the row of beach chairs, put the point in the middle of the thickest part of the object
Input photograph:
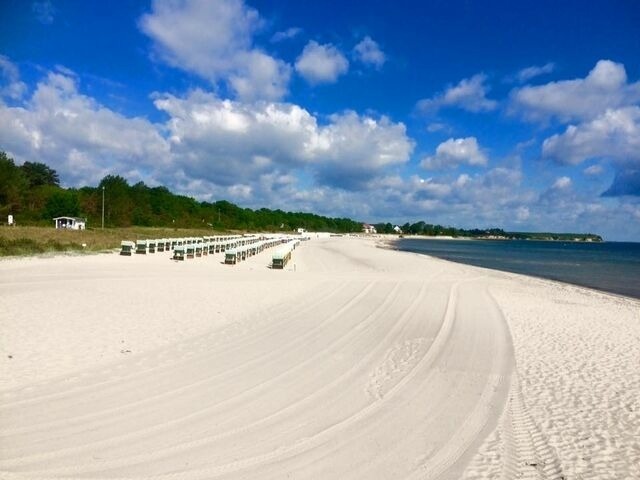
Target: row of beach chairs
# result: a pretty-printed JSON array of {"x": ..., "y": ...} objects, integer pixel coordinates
[
  {"x": 236, "y": 248},
  {"x": 242, "y": 252},
  {"x": 144, "y": 247}
]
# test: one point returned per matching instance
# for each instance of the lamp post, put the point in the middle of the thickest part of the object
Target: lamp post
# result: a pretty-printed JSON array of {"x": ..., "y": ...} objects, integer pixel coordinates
[{"x": 103, "y": 208}]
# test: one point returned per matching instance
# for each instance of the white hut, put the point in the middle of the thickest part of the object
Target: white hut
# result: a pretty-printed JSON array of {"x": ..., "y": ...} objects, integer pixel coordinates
[
  {"x": 72, "y": 223},
  {"x": 366, "y": 228}
]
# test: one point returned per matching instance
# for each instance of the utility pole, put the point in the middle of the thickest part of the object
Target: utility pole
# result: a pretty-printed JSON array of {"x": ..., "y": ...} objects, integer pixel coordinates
[{"x": 103, "y": 208}]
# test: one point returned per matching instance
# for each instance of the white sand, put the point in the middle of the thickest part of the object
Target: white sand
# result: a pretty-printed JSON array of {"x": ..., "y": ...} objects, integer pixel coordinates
[{"x": 360, "y": 363}]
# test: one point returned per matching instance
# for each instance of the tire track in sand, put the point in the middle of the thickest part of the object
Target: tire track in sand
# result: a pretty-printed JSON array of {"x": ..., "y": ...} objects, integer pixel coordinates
[
  {"x": 309, "y": 401},
  {"x": 527, "y": 453},
  {"x": 353, "y": 300}
]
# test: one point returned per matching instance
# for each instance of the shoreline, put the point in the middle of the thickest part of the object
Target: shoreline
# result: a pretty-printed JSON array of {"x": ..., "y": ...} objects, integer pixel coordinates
[
  {"x": 351, "y": 345},
  {"x": 391, "y": 244}
]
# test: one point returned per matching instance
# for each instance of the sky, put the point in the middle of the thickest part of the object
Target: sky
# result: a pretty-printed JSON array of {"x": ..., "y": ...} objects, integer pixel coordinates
[{"x": 516, "y": 115}]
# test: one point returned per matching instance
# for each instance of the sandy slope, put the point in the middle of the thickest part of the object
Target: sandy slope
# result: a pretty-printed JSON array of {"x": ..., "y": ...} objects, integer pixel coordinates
[{"x": 355, "y": 362}]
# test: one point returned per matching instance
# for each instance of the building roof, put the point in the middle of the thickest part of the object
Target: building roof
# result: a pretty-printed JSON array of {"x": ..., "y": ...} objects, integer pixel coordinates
[{"x": 76, "y": 219}]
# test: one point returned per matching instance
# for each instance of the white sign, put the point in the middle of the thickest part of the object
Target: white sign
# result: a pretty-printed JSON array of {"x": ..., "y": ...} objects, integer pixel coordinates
[{"x": 10, "y": 219}]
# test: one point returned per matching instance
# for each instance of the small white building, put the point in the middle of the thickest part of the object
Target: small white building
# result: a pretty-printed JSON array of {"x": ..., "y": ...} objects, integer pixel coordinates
[
  {"x": 366, "y": 228},
  {"x": 397, "y": 229},
  {"x": 72, "y": 223}
]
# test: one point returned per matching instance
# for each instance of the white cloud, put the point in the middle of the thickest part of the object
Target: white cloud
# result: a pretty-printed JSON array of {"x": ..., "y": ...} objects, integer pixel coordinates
[
  {"x": 455, "y": 152},
  {"x": 368, "y": 52},
  {"x": 593, "y": 170},
  {"x": 215, "y": 41},
  {"x": 251, "y": 153},
  {"x": 259, "y": 76},
  {"x": 227, "y": 141},
  {"x": 321, "y": 63},
  {"x": 562, "y": 183},
  {"x": 528, "y": 73},
  {"x": 604, "y": 109},
  {"x": 605, "y": 87},
  {"x": 353, "y": 149},
  {"x": 615, "y": 134},
  {"x": 469, "y": 94},
  {"x": 77, "y": 136},
  {"x": 287, "y": 34},
  {"x": 11, "y": 87}
]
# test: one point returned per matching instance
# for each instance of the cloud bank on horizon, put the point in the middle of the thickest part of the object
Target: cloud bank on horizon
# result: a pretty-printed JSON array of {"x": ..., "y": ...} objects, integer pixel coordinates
[{"x": 265, "y": 110}]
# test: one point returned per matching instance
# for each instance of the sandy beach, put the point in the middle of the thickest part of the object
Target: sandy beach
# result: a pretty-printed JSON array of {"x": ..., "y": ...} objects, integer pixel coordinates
[{"x": 353, "y": 362}]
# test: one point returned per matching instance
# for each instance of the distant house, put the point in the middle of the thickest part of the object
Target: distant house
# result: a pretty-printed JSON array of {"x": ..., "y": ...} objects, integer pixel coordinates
[
  {"x": 366, "y": 228},
  {"x": 301, "y": 231},
  {"x": 397, "y": 229},
  {"x": 72, "y": 223}
]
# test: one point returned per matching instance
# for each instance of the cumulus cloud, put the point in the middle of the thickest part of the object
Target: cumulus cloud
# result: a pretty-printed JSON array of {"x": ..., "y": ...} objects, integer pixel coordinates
[
  {"x": 77, "y": 136},
  {"x": 368, "y": 52},
  {"x": 603, "y": 108},
  {"x": 353, "y": 149},
  {"x": 455, "y": 152},
  {"x": 615, "y": 134},
  {"x": 215, "y": 41},
  {"x": 321, "y": 63},
  {"x": 227, "y": 141},
  {"x": 259, "y": 76},
  {"x": 469, "y": 94},
  {"x": 605, "y": 87},
  {"x": 248, "y": 152},
  {"x": 528, "y": 73}
]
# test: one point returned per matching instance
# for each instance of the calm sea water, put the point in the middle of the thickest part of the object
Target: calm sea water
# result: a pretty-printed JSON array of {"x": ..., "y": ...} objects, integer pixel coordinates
[{"x": 609, "y": 266}]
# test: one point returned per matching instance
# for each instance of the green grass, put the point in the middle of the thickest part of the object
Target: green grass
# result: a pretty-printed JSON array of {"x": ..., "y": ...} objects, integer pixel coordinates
[{"x": 15, "y": 241}]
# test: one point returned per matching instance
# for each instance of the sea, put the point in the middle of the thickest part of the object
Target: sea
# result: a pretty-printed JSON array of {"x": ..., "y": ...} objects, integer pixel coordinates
[{"x": 608, "y": 266}]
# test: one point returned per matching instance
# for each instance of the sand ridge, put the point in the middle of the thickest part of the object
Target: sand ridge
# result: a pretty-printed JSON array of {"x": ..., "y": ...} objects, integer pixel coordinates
[{"x": 354, "y": 362}]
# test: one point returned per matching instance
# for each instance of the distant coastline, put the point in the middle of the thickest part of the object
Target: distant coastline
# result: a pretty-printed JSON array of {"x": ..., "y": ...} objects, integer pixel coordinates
[{"x": 538, "y": 237}]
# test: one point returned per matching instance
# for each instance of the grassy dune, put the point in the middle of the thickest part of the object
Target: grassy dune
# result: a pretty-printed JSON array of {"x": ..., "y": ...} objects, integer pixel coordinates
[{"x": 38, "y": 240}]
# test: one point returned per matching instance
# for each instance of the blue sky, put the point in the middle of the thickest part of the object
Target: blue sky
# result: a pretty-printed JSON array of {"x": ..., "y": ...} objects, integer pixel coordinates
[{"x": 520, "y": 115}]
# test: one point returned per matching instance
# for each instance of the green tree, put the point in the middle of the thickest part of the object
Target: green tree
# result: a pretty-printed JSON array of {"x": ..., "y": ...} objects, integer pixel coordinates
[
  {"x": 119, "y": 205},
  {"x": 63, "y": 203},
  {"x": 13, "y": 185},
  {"x": 39, "y": 174}
]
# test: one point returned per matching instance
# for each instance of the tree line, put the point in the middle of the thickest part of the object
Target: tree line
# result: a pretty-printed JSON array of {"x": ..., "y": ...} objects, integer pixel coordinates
[{"x": 32, "y": 193}]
